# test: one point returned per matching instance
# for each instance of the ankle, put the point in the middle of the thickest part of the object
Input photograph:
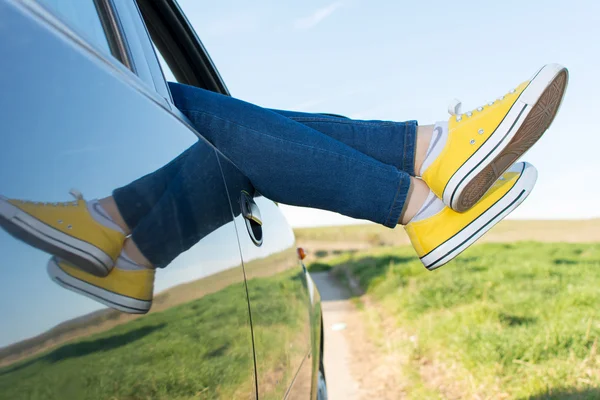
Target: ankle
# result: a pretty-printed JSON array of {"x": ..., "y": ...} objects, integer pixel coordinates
[
  {"x": 110, "y": 206},
  {"x": 132, "y": 252},
  {"x": 424, "y": 135},
  {"x": 416, "y": 198}
]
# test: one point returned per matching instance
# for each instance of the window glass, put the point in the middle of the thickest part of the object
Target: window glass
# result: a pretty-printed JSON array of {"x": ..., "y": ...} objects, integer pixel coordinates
[
  {"x": 169, "y": 76},
  {"x": 82, "y": 16}
]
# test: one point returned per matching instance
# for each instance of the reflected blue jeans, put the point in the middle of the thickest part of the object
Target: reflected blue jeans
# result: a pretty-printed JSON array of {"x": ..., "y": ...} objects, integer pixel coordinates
[{"x": 361, "y": 169}]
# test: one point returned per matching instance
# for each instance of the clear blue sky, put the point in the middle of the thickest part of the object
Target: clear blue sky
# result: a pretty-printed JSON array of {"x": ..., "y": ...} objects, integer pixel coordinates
[
  {"x": 365, "y": 59},
  {"x": 401, "y": 60}
]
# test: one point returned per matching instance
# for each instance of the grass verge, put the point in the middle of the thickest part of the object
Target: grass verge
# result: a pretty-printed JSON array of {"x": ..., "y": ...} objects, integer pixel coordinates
[{"x": 515, "y": 320}]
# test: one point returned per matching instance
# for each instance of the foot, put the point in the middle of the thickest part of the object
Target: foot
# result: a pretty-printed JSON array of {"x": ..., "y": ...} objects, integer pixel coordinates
[
  {"x": 66, "y": 230},
  {"x": 479, "y": 145},
  {"x": 442, "y": 234},
  {"x": 126, "y": 290}
]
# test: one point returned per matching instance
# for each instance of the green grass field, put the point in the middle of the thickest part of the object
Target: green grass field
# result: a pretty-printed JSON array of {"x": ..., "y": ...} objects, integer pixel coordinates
[
  {"x": 200, "y": 349},
  {"x": 519, "y": 320}
]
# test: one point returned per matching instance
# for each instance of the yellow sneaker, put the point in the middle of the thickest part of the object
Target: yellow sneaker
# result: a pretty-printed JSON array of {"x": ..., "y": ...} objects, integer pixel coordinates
[
  {"x": 66, "y": 230},
  {"x": 440, "y": 237},
  {"x": 483, "y": 143},
  {"x": 129, "y": 291}
]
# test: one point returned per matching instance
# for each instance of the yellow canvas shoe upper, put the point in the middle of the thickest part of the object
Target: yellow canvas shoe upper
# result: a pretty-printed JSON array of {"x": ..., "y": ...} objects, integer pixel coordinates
[
  {"x": 466, "y": 134},
  {"x": 134, "y": 284},
  {"x": 429, "y": 233},
  {"x": 74, "y": 219}
]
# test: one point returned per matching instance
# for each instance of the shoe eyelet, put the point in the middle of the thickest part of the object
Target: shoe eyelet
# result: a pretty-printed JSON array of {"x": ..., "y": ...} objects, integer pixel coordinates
[
  {"x": 69, "y": 226},
  {"x": 472, "y": 141},
  {"x": 512, "y": 91},
  {"x": 469, "y": 114},
  {"x": 491, "y": 103},
  {"x": 458, "y": 118},
  {"x": 480, "y": 131},
  {"x": 60, "y": 221},
  {"x": 479, "y": 108}
]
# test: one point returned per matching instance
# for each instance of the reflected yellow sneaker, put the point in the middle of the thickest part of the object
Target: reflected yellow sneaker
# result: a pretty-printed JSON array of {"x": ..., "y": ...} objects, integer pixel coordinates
[
  {"x": 442, "y": 234},
  {"x": 64, "y": 229},
  {"x": 481, "y": 144},
  {"x": 126, "y": 290}
]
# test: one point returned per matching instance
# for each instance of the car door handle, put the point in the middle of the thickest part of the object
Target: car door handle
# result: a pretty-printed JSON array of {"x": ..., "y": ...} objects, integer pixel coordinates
[
  {"x": 251, "y": 214},
  {"x": 250, "y": 210}
]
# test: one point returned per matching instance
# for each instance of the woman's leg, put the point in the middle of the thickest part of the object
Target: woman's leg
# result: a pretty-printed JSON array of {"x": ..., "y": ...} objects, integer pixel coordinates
[
  {"x": 166, "y": 209},
  {"x": 392, "y": 143},
  {"x": 294, "y": 164}
]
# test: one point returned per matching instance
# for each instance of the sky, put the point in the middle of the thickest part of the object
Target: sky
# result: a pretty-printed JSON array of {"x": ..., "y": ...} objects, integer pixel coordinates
[
  {"x": 393, "y": 60},
  {"x": 385, "y": 60}
]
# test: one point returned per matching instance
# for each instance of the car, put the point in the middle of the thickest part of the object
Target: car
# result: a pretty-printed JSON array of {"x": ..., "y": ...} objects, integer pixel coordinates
[{"x": 85, "y": 104}]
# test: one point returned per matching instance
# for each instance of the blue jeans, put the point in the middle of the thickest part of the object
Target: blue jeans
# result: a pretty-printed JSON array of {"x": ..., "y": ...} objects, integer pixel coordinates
[{"x": 360, "y": 169}]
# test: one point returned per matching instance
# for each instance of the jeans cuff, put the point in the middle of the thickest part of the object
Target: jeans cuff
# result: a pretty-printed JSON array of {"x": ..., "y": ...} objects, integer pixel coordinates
[
  {"x": 399, "y": 202},
  {"x": 123, "y": 202},
  {"x": 149, "y": 249},
  {"x": 410, "y": 147}
]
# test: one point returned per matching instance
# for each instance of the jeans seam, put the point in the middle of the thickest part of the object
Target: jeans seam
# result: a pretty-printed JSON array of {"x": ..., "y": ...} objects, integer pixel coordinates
[{"x": 290, "y": 141}]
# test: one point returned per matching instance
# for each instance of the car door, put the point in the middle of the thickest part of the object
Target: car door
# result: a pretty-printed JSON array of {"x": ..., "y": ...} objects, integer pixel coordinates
[
  {"x": 278, "y": 293},
  {"x": 284, "y": 303},
  {"x": 84, "y": 104}
]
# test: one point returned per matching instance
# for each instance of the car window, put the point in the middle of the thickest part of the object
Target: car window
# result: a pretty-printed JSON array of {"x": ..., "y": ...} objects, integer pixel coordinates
[
  {"x": 167, "y": 72},
  {"x": 88, "y": 18}
]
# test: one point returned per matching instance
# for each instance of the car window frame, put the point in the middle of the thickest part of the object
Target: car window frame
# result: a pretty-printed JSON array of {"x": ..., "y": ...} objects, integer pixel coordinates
[
  {"x": 114, "y": 32},
  {"x": 111, "y": 26},
  {"x": 136, "y": 37},
  {"x": 184, "y": 53}
]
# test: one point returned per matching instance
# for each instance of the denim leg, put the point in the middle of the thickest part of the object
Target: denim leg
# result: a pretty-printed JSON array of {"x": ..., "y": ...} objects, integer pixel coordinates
[
  {"x": 292, "y": 163},
  {"x": 392, "y": 143},
  {"x": 288, "y": 161},
  {"x": 193, "y": 205}
]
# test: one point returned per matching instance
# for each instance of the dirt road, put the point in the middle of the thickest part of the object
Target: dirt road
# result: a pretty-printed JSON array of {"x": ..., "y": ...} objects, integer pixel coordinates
[
  {"x": 337, "y": 310},
  {"x": 355, "y": 368}
]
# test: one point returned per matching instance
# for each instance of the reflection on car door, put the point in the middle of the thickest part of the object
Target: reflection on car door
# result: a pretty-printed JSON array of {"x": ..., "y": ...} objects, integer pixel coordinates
[
  {"x": 277, "y": 291},
  {"x": 74, "y": 116}
]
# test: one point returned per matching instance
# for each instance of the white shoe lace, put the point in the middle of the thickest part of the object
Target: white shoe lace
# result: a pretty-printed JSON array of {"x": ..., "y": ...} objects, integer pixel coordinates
[
  {"x": 73, "y": 192},
  {"x": 455, "y": 108}
]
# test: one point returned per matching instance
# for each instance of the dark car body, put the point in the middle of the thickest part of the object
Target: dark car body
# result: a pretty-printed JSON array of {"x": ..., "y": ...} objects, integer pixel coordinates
[{"x": 84, "y": 103}]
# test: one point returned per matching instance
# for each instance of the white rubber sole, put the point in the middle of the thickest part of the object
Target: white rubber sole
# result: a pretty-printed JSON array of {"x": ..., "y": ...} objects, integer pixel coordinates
[
  {"x": 39, "y": 235},
  {"x": 106, "y": 297},
  {"x": 501, "y": 138},
  {"x": 478, "y": 227}
]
